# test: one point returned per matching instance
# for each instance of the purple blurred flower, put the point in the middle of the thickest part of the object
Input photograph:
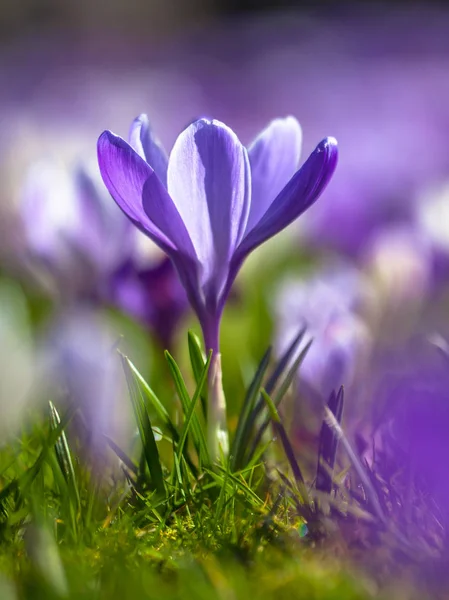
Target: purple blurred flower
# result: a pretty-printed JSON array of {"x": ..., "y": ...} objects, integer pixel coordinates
[
  {"x": 221, "y": 200},
  {"x": 413, "y": 389},
  {"x": 399, "y": 260},
  {"x": 432, "y": 222},
  {"x": 327, "y": 306},
  {"x": 73, "y": 230},
  {"x": 82, "y": 360},
  {"x": 77, "y": 234},
  {"x": 152, "y": 294}
]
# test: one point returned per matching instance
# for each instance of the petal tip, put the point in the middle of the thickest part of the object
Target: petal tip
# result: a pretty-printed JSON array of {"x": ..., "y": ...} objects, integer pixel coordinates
[
  {"x": 142, "y": 118},
  {"x": 330, "y": 141},
  {"x": 107, "y": 137},
  {"x": 328, "y": 146}
]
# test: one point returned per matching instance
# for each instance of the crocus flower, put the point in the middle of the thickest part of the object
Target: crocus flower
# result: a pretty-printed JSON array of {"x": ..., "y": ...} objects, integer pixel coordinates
[
  {"x": 220, "y": 202},
  {"x": 73, "y": 230},
  {"x": 327, "y": 305}
]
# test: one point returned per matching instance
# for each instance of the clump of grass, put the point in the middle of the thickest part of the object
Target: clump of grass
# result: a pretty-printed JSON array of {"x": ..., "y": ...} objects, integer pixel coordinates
[{"x": 167, "y": 521}]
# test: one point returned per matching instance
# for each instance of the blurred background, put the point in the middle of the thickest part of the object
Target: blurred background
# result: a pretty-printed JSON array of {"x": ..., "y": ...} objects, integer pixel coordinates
[{"x": 373, "y": 75}]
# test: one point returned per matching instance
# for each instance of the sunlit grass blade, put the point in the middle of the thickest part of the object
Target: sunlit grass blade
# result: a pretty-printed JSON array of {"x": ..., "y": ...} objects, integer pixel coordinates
[
  {"x": 191, "y": 411},
  {"x": 277, "y": 374},
  {"x": 197, "y": 360},
  {"x": 280, "y": 430},
  {"x": 154, "y": 401},
  {"x": 161, "y": 413},
  {"x": 243, "y": 430},
  {"x": 22, "y": 482},
  {"x": 328, "y": 444},
  {"x": 149, "y": 446},
  {"x": 280, "y": 393},
  {"x": 284, "y": 361},
  {"x": 64, "y": 458},
  {"x": 356, "y": 463},
  {"x": 198, "y": 435},
  {"x": 29, "y": 476},
  {"x": 122, "y": 455},
  {"x": 225, "y": 477}
]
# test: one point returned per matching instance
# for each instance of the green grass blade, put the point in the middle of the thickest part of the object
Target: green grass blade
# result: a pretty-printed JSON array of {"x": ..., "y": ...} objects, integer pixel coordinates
[
  {"x": 191, "y": 412},
  {"x": 30, "y": 475},
  {"x": 149, "y": 446},
  {"x": 276, "y": 375},
  {"x": 64, "y": 458},
  {"x": 371, "y": 493},
  {"x": 197, "y": 360},
  {"x": 280, "y": 430},
  {"x": 244, "y": 423},
  {"x": 328, "y": 445},
  {"x": 154, "y": 401},
  {"x": 199, "y": 438},
  {"x": 282, "y": 390},
  {"x": 122, "y": 455}
]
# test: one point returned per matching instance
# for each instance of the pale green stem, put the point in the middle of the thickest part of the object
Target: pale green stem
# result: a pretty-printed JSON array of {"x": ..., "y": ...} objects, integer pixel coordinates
[{"x": 217, "y": 429}]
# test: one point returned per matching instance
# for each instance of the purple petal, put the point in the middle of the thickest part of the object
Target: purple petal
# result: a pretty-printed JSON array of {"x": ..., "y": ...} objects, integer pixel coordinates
[
  {"x": 106, "y": 235},
  {"x": 124, "y": 173},
  {"x": 274, "y": 158},
  {"x": 147, "y": 145},
  {"x": 209, "y": 181},
  {"x": 297, "y": 196},
  {"x": 162, "y": 212}
]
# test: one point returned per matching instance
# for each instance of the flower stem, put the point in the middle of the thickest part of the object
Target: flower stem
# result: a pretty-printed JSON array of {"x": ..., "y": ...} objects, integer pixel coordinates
[{"x": 217, "y": 430}]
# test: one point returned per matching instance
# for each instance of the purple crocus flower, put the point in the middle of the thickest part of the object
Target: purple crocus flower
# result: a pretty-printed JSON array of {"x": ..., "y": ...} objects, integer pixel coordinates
[
  {"x": 327, "y": 304},
  {"x": 73, "y": 230},
  {"x": 221, "y": 200}
]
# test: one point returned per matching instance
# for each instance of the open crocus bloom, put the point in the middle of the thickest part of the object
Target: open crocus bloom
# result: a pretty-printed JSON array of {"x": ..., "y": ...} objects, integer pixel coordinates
[{"x": 213, "y": 201}]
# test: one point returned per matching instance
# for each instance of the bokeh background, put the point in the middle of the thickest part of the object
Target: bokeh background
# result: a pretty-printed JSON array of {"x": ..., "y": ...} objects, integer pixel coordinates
[{"x": 373, "y": 75}]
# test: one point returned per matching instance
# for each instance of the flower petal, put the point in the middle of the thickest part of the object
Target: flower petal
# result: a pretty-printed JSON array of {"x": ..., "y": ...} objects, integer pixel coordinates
[
  {"x": 162, "y": 212},
  {"x": 147, "y": 145},
  {"x": 209, "y": 181},
  {"x": 274, "y": 158},
  {"x": 297, "y": 196},
  {"x": 124, "y": 173}
]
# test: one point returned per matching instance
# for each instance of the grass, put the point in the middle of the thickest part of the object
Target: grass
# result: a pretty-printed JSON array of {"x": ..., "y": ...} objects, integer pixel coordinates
[{"x": 162, "y": 520}]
